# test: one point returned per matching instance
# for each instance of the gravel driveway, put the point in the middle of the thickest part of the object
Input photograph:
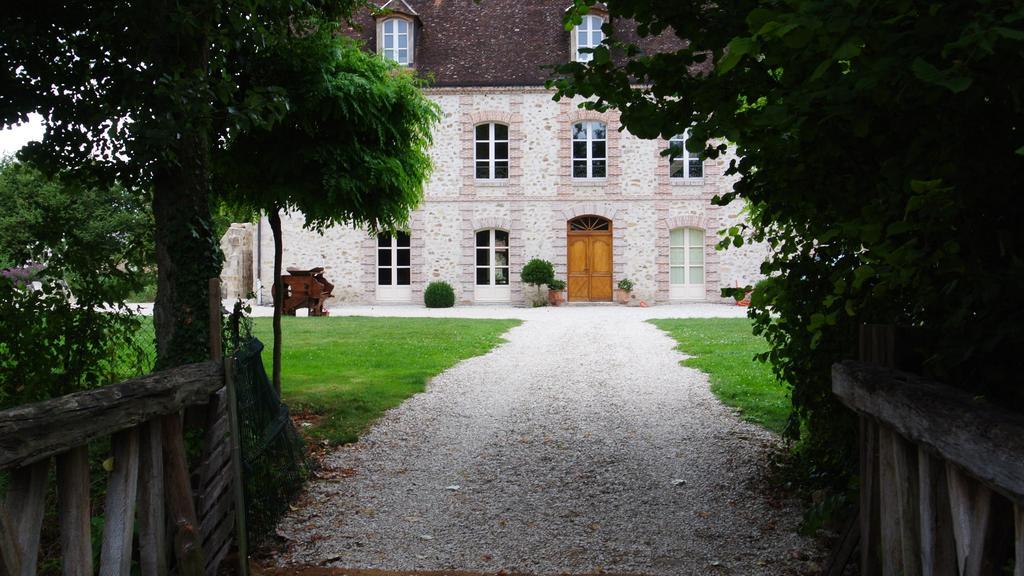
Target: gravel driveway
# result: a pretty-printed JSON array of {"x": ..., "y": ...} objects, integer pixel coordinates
[{"x": 581, "y": 445}]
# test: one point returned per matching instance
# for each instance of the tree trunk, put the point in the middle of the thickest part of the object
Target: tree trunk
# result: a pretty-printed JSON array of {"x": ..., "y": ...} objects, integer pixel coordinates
[
  {"x": 187, "y": 253},
  {"x": 274, "y": 216}
]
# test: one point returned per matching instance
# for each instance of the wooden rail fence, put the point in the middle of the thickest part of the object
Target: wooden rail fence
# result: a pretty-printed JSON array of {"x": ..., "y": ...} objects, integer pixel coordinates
[
  {"x": 942, "y": 472},
  {"x": 186, "y": 519}
]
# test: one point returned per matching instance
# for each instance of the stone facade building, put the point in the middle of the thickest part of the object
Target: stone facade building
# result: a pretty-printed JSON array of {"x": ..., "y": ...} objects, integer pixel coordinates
[{"x": 520, "y": 176}]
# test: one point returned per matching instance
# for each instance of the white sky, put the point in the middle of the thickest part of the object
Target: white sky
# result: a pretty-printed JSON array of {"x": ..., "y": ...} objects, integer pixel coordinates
[{"x": 12, "y": 139}]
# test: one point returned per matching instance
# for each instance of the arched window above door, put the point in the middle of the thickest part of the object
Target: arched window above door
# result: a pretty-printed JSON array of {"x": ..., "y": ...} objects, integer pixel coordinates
[{"x": 590, "y": 224}]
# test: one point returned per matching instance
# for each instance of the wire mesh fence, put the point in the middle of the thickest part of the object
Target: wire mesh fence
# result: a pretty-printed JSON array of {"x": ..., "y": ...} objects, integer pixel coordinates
[{"x": 274, "y": 459}]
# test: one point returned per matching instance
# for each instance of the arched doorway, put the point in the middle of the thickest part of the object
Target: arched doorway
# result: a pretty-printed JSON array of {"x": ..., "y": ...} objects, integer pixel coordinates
[{"x": 589, "y": 262}]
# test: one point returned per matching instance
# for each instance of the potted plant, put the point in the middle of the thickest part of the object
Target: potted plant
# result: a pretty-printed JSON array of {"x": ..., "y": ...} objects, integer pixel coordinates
[
  {"x": 555, "y": 295},
  {"x": 624, "y": 292},
  {"x": 538, "y": 272}
]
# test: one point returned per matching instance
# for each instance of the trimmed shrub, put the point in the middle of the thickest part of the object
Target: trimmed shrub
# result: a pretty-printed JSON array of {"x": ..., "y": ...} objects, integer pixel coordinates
[
  {"x": 538, "y": 272},
  {"x": 439, "y": 295},
  {"x": 556, "y": 284}
]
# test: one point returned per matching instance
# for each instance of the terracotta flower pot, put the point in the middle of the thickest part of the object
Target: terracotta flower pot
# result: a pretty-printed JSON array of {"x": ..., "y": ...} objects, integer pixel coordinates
[
  {"x": 622, "y": 296},
  {"x": 556, "y": 297}
]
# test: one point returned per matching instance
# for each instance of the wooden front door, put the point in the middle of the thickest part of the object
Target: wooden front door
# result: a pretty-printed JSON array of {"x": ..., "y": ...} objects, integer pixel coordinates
[{"x": 590, "y": 259}]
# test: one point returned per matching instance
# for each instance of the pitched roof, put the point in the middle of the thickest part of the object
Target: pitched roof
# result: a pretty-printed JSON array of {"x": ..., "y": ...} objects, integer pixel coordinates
[{"x": 494, "y": 42}]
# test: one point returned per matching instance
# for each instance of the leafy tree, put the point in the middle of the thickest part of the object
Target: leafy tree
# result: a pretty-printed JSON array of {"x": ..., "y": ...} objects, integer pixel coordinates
[
  {"x": 351, "y": 148},
  {"x": 141, "y": 93},
  {"x": 878, "y": 145}
]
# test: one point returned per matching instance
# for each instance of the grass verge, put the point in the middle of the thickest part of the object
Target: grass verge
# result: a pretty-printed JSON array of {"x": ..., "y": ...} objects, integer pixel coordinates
[
  {"x": 724, "y": 348},
  {"x": 349, "y": 370}
]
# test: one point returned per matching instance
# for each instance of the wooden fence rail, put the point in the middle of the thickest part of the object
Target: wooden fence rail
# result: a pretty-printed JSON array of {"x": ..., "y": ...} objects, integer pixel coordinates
[
  {"x": 185, "y": 518},
  {"x": 942, "y": 475}
]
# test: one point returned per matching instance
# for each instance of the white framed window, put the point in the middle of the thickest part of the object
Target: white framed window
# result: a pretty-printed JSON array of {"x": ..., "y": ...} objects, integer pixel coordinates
[
  {"x": 490, "y": 151},
  {"x": 492, "y": 265},
  {"x": 393, "y": 259},
  {"x": 396, "y": 40},
  {"x": 587, "y": 34},
  {"x": 686, "y": 264},
  {"x": 682, "y": 162},
  {"x": 589, "y": 150}
]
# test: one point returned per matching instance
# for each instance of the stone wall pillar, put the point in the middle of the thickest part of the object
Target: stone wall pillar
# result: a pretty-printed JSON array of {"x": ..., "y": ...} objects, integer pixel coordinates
[{"x": 236, "y": 276}]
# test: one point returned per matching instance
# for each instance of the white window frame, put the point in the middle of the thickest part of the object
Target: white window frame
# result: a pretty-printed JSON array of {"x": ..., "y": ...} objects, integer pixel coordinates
[
  {"x": 588, "y": 26},
  {"x": 393, "y": 52},
  {"x": 492, "y": 292},
  {"x": 687, "y": 290},
  {"x": 491, "y": 142},
  {"x": 678, "y": 142},
  {"x": 393, "y": 292},
  {"x": 589, "y": 138}
]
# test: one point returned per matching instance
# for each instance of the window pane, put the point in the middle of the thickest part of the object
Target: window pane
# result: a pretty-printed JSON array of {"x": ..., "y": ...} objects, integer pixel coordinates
[
  {"x": 483, "y": 170},
  {"x": 596, "y": 37},
  {"x": 403, "y": 257},
  {"x": 483, "y": 151},
  {"x": 483, "y": 238},
  {"x": 501, "y": 169},
  {"x": 579, "y": 149},
  {"x": 403, "y": 239},
  {"x": 500, "y": 238},
  {"x": 501, "y": 150},
  {"x": 481, "y": 132},
  {"x": 597, "y": 149},
  {"x": 677, "y": 169},
  {"x": 389, "y": 42},
  {"x": 676, "y": 257},
  {"x": 500, "y": 132},
  {"x": 696, "y": 168},
  {"x": 697, "y": 255},
  {"x": 403, "y": 56},
  {"x": 403, "y": 277},
  {"x": 501, "y": 276},
  {"x": 579, "y": 132},
  {"x": 403, "y": 41},
  {"x": 696, "y": 236},
  {"x": 384, "y": 257},
  {"x": 675, "y": 237},
  {"x": 483, "y": 276},
  {"x": 598, "y": 170},
  {"x": 389, "y": 26},
  {"x": 697, "y": 275},
  {"x": 403, "y": 26},
  {"x": 678, "y": 275},
  {"x": 483, "y": 257},
  {"x": 384, "y": 277},
  {"x": 501, "y": 258},
  {"x": 598, "y": 130},
  {"x": 383, "y": 240},
  {"x": 579, "y": 169},
  {"x": 581, "y": 38}
]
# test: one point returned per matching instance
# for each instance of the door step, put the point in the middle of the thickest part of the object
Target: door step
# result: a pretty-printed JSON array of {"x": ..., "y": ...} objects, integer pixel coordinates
[{"x": 591, "y": 304}]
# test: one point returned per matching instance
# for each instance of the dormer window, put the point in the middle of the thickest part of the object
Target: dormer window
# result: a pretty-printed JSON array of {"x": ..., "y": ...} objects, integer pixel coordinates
[
  {"x": 396, "y": 40},
  {"x": 587, "y": 35}
]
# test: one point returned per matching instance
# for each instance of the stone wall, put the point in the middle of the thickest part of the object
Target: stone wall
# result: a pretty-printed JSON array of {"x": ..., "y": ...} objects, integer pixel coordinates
[{"x": 533, "y": 204}]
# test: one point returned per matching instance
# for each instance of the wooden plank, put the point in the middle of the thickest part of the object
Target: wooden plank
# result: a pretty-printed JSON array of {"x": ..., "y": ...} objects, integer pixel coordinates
[
  {"x": 971, "y": 506},
  {"x": 215, "y": 318},
  {"x": 212, "y": 567},
  {"x": 152, "y": 519},
  {"x": 870, "y": 533},
  {"x": 188, "y": 548},
  {"x": 119, "y": 506},
  {"x": 26, "y": 496},
  {"x": 10, "y": 556},
  {"x": 74, "y": 512},
  {"x": 1018, "y": 539},
  {"x": 907, "y": 503},
  {"x": 986, "y": 440},
  {"x": 36, "y": 431},
  {"x": 218, "y": 486},
  {"x": 937, "y": 546},
  {"x": 891, "y": 548},
  {"x": 842, "y": 554},
  {"x": 219, "y": 510},
  {"x": 237, "y": 484}
]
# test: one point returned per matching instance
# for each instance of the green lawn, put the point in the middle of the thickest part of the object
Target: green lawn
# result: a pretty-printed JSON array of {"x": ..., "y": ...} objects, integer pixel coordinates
[
  {"x": 724, "y": 349},
  {"x": 349, "y": 370}
]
